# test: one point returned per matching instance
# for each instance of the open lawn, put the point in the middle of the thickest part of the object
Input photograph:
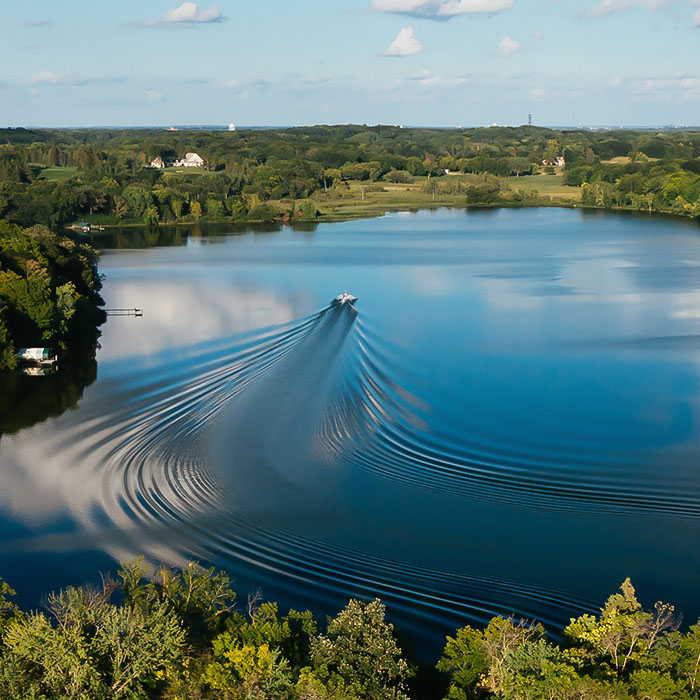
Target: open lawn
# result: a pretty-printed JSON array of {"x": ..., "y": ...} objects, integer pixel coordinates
[
  {"x": 57, "y": 173},
  {"x": 167, "y": 172},
  {"x": 548, "y": 186},
  {"x": 373, "y": 199}
]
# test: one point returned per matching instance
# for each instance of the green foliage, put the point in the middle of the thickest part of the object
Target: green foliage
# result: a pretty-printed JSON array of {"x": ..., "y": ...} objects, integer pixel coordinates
[
  {"x": 92, "y": 649},
  {"x": 360, "y": 649},
  {"x": 398, "y": 176},
  {"x": 49, "y": 291},
  {"x": 483, "y": 193},
  {"x": 623, "y": 636},
  {"x": 247, "y": 671},
  {"x": 174, "y": 634},
  {"x": 465, "y": 659},
  {"x": 83, "y": 174},
  {"x": 305, "y": 210},
  {"x": 202, "y": 598}
]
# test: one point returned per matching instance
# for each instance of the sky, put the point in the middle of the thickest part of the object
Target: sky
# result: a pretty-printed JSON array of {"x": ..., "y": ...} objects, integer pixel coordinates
[{"x": 292, "y": 62}]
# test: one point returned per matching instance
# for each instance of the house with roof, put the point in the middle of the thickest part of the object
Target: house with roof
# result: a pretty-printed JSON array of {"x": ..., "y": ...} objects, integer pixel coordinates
[
  {"x": 191, "y": 160},
  {"x": 158, "y": 163}
]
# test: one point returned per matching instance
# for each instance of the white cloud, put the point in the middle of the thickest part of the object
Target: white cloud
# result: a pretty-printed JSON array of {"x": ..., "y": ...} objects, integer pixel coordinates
[
  {"x": 507, "y": 46},
  {"x": 49, "y": 77},
  {"x": 607, "y": 7},
  {"x": 154, "y": 95},
  {"x": 685, "y": 87},
  {"x": 405, "y": 44},
  {"x": 187, "y": 15},
  {"x": 442, "y": 9},
  {"x": 469, "y": 7},
  {"x": 426, "y": 79},
  {"x": 537, "y": 94},
  {"x": 190, "y": 12},
  {"x": 696, "y": 18}
]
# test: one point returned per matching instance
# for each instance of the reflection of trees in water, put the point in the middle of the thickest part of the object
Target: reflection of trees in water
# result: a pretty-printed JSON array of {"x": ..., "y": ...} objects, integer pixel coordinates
[
  {"x": 26, "y": 401},
  {"x": 173, "y": 236}
]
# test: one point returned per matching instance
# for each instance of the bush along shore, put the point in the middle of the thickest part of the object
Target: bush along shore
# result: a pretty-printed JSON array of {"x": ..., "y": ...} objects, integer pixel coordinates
[
  {"x": 49, "y": 293},
  {"x": 180, "y": 634},
  {"x": 102, "y": 177}
]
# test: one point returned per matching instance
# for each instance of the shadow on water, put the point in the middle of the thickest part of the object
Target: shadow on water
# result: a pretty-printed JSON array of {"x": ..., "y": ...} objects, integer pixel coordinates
[{"x": 28, "y": 400}]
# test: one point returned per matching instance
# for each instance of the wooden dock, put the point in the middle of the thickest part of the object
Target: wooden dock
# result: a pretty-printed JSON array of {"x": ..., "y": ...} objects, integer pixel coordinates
[{"x": 124, "y": 312}]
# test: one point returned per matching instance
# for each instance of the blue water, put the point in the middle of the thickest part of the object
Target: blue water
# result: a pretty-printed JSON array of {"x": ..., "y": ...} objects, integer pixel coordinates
[{"x": 507, "y": 425}]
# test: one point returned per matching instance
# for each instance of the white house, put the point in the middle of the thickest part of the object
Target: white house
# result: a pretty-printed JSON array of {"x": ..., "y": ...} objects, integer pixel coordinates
[
  {"x": 231, "y": 127},
  {"x": 559, "y": 160},
  {"x": 191, "y": 160},
  {"x": 158, "y": 163}
]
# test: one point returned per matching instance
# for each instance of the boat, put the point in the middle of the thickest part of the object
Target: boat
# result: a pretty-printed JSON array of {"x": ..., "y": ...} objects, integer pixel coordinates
[{"x": 344, "y": 298}]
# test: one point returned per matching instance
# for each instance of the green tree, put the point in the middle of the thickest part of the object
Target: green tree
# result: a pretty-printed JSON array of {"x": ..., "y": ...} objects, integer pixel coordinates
[
  {"x": 202, "y": 598},
  {"x": 465, "y": 659},
  {"x": 360, "y": 648},
  {"x": 247, "y": 671},
  {"x": 92, "y": 650},
  {"x": 623, "y": 636}
]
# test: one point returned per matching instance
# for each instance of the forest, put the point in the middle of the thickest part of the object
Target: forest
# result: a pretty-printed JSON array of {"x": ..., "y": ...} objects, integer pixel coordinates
[
  {"x": 57, "y": 177},
  {"x": 49, "y": 292},
  {"x": 157, "y": 632}
]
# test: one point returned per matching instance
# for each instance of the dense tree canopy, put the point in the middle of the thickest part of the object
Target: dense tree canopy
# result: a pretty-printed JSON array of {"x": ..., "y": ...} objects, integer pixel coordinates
[
  {"x": 179, "y": 634},
  {"x": 49, "y": 291},
  {"x": 54, "y": 177}
]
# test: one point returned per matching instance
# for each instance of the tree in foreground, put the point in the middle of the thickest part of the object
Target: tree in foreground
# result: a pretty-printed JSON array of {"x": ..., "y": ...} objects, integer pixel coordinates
[{"x": 359, "y": 655}]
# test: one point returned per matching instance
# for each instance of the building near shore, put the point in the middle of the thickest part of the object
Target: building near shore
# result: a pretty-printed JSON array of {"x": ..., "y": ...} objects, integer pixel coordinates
[{"x": 191, "y": 160}]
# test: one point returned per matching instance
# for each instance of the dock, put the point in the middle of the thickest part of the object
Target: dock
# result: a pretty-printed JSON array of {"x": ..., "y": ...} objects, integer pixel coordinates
[{"x": 124, "y": 312}]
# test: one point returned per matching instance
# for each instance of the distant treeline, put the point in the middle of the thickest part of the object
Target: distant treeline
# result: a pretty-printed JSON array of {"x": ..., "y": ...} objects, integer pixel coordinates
[
  {"x": 265, "y": 175},
  {"x": 179, "y": 635},
  {"x": 49, "y": 292}
]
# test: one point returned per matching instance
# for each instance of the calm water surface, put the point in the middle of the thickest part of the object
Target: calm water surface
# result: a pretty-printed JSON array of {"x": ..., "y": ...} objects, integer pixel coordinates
[{"x": 509, "y": 424}]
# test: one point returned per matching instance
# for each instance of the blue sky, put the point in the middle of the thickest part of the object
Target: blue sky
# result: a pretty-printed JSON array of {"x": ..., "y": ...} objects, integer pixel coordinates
[{"x": 286, "y": 62}]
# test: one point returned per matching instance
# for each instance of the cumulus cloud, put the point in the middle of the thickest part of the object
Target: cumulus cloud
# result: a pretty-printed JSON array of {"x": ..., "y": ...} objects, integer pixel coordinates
[
  {"x": 405, "y": 44},
  {"x": 537, "y": 94},
  {"x": 608, "y": 7},
  {"x": 441, "y": 9},
  {"x": 507, "y": 46},
  {"x": 188, "y": 15}
]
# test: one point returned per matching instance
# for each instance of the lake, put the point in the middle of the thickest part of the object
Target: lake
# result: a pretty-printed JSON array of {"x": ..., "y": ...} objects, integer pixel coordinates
[{"x": 509, "y": 424}]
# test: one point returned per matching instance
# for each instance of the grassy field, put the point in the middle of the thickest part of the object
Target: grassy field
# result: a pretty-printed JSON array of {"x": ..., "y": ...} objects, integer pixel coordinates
[
  {"x": 57, "y": 173},
  {"x": 362, "y": 199},
  {"x": 187, "y": 171},
  {"x": 548, "y": 186}
]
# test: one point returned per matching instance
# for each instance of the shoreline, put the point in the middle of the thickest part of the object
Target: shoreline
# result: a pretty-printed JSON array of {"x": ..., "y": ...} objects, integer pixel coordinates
[{"x": 367, "y": 213}]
